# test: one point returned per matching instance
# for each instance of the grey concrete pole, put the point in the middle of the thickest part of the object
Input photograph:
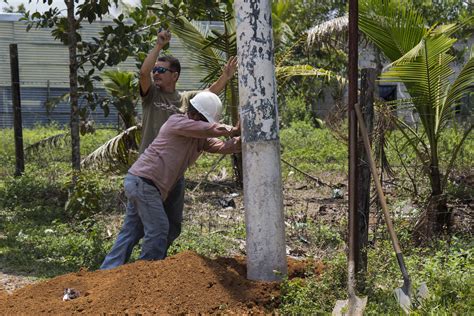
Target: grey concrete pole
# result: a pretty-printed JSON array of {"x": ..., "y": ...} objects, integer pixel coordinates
[{"x": 263, "y": 202}]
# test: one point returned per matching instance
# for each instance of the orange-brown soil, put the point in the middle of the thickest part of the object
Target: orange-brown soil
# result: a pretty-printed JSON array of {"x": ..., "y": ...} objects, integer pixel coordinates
[{"x": 186, "y": 283}]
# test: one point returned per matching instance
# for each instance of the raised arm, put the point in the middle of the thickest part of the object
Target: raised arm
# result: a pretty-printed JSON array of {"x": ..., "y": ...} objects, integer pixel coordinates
[
  {"x": 227, "y": 74},
  {"x": 163, "y": 38},
  {"x": 184, "y": 126}
]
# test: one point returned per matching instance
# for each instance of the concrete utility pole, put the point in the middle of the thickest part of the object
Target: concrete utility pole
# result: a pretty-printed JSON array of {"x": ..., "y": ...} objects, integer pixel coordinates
[{"x": 260, "y": 142}]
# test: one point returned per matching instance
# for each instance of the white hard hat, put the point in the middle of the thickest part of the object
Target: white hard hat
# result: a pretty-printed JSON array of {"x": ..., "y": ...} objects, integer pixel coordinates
[{"x": 209, "y": 105}]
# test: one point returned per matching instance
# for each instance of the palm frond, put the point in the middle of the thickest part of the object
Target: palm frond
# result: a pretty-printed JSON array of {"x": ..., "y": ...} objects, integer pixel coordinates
[
  {"x": 118, "y": 152},
  {"x": 51, "y": 103},
  {"x": 394, "y": 29},
  {"x": 425, "y": 72},
  {"x": 329, "y": 30},
  {"x": 285, "y": 72},
  {"x": 462, "y": 84},
  {"x": 194, "y": 37},
  {"x": 54, "y": 141},
  {"x": 120, "y": 83},
  {"x": 450, "y": 29}
]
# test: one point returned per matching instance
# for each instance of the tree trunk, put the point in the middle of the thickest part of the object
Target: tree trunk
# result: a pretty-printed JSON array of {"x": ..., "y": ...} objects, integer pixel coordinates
[
  {"x": 368, "y": 77},
  {"x": 236, "y": 158},
  {"x": 436, "y": 217},
  {"x": 234, "y": 113},
  {"x": 438, "y": 199},
  {"x": 75, "y": 138},
  {"x": 16, "y": 103}
]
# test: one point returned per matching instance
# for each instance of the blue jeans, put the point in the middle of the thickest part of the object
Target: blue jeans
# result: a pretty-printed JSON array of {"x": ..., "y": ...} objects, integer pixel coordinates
[{"x": 147, "y": 217}]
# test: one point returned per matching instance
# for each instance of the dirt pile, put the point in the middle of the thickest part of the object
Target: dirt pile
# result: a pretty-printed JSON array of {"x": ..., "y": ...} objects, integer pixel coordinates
[{"x": 185, "y": 283}]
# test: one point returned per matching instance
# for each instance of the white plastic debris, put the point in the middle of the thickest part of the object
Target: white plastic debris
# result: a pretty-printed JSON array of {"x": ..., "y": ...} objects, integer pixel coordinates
[{"x": 70, "y": 294}]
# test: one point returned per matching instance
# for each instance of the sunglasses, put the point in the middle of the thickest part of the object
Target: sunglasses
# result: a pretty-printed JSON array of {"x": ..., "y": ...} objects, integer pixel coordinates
[{"x": 161, "y": 70}]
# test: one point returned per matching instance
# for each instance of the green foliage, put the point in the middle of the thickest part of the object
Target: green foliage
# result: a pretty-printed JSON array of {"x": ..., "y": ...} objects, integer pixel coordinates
[
  {"x": 326, "y": 237},
  {"x": 43, "y": 238},
  {"x": 450, "y": 272},
  {"x": 56, "y": 248},
  {"x": 207, "y": 244},
  {"x": 420, "y": 60},
  {"x": 315, "y": 294},
  {"x": 51, "y": 157},
  {"x": 123, "y": 89},
  {"x": 447, "y": 268},
  {"x": 92, "y": 194},
  {"x": 116, "y": 154},
  {"x": 294, "y": 109},
  {"x": 312, "y": 149},
  {"x": 446, "y": 11},
  {"x": 32, "y": 198}
]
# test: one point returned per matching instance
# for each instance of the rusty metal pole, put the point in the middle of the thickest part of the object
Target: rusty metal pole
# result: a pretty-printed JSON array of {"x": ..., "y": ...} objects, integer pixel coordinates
[
  {"x": 353, "y": 76},
  {"x": 263, "y": 199}
]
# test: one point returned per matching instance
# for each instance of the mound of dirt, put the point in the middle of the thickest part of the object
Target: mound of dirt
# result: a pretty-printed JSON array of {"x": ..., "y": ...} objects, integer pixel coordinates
[{"x": 182, "y": 284}]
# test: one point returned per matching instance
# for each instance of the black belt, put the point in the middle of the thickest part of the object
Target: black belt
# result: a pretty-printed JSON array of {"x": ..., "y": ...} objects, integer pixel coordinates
[{"x": 148, "y": 181}]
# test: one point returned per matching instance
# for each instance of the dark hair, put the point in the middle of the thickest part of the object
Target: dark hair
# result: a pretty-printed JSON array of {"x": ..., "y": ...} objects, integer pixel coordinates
[
  {"x": 174, "y": 62},
  {"x": 192, "y": 110}
]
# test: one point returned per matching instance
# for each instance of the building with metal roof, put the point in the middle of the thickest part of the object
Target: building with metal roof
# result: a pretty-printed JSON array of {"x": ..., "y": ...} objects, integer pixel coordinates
[{"x": 44, "y": 72}]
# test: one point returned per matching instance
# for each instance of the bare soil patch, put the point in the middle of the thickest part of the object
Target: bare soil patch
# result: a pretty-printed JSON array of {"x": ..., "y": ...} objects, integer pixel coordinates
[{"x": 183, "y": 284}]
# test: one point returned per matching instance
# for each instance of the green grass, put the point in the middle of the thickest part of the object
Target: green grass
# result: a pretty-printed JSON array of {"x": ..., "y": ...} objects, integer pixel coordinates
[
  {"x": 447, "y": 269},
  {"x": 313, "y": 149}
]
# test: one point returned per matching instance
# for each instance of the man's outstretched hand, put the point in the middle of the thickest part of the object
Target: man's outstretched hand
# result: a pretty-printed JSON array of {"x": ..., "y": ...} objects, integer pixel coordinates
[
  {"x": 230, "y": 67},
  {"x": 163, "y": 38}
]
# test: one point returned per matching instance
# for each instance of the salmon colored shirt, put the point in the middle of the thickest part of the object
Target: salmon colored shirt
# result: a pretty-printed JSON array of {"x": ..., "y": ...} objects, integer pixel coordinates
[{"x": 179, "y": 144}]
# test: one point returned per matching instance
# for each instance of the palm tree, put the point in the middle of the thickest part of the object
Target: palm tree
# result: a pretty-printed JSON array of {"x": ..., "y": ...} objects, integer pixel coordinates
[
  {"x": 119, "y": 152},
  {"x": 421, "y": 61},
  {"x": 122, "y": 86}
]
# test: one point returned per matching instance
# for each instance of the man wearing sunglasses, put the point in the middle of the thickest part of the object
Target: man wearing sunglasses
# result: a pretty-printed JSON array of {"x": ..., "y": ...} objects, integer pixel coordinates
[{"x": 160, "y": 100}]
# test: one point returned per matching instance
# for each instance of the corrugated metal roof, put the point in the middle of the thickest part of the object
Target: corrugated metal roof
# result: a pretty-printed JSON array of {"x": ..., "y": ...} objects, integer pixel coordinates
[
  {"x": 44, "y": 62},
  {"x": 10, "y": 16}
]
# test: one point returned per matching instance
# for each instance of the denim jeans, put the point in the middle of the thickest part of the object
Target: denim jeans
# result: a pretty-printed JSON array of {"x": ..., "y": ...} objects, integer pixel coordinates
[{"x": 147, "y": 217}]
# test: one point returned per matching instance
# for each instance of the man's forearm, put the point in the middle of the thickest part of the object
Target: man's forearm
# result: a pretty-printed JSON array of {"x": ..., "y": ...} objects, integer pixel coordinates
[
  {"x": 219, "y": 85},
  {"x": 150, "y": 60},
  {"x": 227, "y": 74}
]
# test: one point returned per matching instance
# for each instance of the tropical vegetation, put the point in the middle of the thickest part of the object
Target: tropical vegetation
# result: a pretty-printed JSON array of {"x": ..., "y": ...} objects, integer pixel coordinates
[{"x": 56, "y": 219}]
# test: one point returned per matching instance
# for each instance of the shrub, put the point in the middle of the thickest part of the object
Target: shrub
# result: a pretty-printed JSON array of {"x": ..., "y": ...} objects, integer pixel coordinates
[
  {"x": 53, "y": 249},
  {"x": 93, "y": 193}
]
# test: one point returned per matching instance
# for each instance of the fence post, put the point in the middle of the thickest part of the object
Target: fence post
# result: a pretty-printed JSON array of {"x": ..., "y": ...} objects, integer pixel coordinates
[
  {"x": 263, "y": 198},
  {"x": 16, "y": 104},
  {"x": 368, "y": 77}
]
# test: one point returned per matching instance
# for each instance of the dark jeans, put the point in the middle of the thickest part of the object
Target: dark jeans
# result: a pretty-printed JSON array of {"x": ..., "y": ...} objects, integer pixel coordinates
[{"x": 147, "y": 217}]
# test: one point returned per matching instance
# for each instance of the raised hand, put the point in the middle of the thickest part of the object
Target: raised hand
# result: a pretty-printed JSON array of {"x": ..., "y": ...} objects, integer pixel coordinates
[
  {"x": 163, "y": 38},
  {"x": 230, "y": 67}
]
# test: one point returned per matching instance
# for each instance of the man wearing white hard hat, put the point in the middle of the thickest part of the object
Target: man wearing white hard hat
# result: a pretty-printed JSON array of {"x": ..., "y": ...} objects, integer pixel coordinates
[{"x": 182, "y": 139}]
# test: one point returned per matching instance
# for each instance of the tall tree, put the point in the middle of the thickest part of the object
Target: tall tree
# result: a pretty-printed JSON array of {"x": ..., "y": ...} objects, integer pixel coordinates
[
  {"x": 65, "y": 28},
  {"x": 74, "y": 123}
]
